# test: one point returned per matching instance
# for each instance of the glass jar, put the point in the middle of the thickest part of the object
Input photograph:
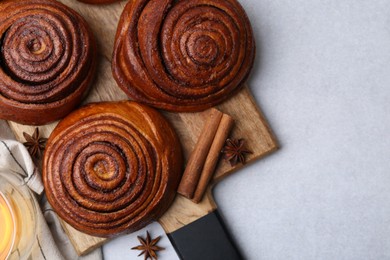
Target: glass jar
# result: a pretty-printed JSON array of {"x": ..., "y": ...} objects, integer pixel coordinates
[{"x": 18, "y": 212}]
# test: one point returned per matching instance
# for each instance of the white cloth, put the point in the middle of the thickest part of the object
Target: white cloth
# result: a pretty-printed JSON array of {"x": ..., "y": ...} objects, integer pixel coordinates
[
  {"x": 15, "y": 158},
  {"x": 52, "y": 243}
]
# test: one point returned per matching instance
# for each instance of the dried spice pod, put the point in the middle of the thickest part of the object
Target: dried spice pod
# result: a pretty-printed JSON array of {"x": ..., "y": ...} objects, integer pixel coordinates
[
  {"x": 148, "y": 246},
  {"x": 48, "y": 57},
  {"x": 112, "y": 168},
  {"x": 183, "y": 55},
  {"x": 35, "y": 144}
]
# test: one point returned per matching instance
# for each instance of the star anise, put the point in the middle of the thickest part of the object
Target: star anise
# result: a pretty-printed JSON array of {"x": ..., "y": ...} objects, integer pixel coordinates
[
  {"x": 35, "y": 144},
  {"x": 148, "y": 247},
  {"x": 235, "y": 151}
]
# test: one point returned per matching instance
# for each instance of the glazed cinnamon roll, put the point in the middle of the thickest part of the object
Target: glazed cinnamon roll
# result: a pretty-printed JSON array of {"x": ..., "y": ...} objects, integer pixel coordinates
[
  {"x": 183, "y": 55},
  {"x": 112, "y": 168},
  {"x": 47, "y": 60}
]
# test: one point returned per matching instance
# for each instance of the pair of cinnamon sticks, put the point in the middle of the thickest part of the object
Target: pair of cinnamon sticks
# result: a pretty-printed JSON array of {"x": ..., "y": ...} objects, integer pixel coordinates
[{"x": 204, "y": 158}]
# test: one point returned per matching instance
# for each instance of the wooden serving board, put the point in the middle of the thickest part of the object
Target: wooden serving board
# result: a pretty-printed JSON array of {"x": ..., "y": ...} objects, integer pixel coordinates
[{"x": 249, "y": 123}]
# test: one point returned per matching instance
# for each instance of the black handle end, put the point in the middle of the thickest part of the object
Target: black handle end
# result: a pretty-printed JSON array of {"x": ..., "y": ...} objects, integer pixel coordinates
[{"x": 205, "y": 239}]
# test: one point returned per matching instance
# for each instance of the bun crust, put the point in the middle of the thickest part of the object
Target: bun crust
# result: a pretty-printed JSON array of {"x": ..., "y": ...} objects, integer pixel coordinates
[
  {"x": 112, "y": 168},
  {"x": 182, "y": 56},
  {"x": 48, "y": 59}
]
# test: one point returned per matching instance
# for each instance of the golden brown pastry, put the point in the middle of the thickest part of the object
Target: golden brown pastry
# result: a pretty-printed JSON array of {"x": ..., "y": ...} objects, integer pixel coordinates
[
  {"x": 48, "y": 57},
  {"x": 112, "y": 168},
  {"x": 184, "y": 55}
]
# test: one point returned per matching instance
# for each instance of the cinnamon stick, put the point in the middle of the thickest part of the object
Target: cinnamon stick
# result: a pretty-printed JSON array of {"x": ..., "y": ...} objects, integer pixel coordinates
[
  {"x": 197, "y": 158},
  {"x": 222, "y": 134}
]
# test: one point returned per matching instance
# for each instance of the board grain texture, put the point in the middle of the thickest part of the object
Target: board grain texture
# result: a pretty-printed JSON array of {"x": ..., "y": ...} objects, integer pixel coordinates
[{"x": 249, "y": 124}]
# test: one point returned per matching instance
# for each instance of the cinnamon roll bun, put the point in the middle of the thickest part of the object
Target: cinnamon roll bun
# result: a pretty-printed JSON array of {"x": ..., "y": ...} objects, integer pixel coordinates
[
  {"x": 112, "y": 168},
  {"x": 47, "y": 60},
  {"x": 183, "y": 55}
]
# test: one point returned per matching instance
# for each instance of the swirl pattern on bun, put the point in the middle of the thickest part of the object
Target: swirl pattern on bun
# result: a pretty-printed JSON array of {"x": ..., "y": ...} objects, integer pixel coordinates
[
  {"x": 183, "y": 55},
  {"x": 112, "y": 168},
  {"x": 48, "y": 57}
]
